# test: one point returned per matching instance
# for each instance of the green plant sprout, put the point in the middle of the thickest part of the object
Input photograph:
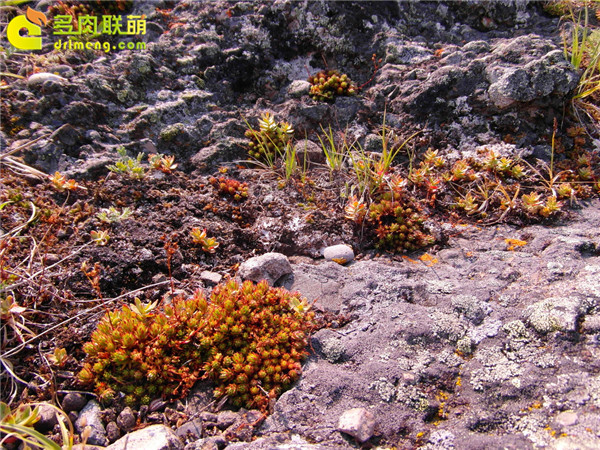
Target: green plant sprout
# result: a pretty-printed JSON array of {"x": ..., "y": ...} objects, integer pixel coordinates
[
  {"x": 18, "y": 425},
  {"x": 143, "y": 309},
  {"x": 290, "y": 161},
  {"x": 582, "y": 50},
  {"x": 112, "y": 214},
  {"x": 209, "y": 245},
  {"x": 269, "y": 141},
  {"x": 61, "y": 184},
  {"x": 58, "y": 357},
  {"x": 335, "y": 154},
  {"x": 100, "y": 237},
  {"x": 128, "y": 166},
  {"x": 163, "y": 163}
]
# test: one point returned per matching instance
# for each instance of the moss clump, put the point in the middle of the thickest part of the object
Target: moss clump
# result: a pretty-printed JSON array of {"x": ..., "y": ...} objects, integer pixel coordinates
[
  {"x": 327, "y": 84},
  {"x": 249, "y": 339}
]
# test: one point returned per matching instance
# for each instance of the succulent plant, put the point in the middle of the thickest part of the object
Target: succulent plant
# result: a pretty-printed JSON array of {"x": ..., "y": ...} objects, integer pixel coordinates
[
  {"x": 143, "y": 354},
  {"x": 329, "y": 83},
  {"x": 163, "y": 163},
  {"x": 249, "y": 339},
  {"x": 209, "y": 244},
  {"x": 255, "y": 338},
  {"x": 269, "y": 141},
  {"x": 398, "y": 223},
  {"x": 232, "y": 188}
]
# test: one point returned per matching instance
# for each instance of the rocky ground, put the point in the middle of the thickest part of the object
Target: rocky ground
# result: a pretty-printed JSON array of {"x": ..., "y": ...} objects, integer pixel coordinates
[{"x": 487, "y": 338}]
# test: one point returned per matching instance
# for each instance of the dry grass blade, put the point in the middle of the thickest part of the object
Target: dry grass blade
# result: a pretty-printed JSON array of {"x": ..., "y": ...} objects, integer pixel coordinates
[{"x": 16, "y": 349}]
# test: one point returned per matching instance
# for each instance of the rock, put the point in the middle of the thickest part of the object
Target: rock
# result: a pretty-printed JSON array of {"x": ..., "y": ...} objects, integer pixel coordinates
[
  {"x": 270, "y": 267},
  {"x": 340, "y": 254},
  {"x": 90, "y": 416},
  {"x": 298, "y": 88},
  {"x": 210, "y": 278},
  {"x": 154, "y": 437},
  {"x": 40, "y": 78},
  {"x": 47, "y": 415},
  {"x": 470, "y": 306},
  {"x": 441, "y": 439},
  {"x": 126, "y": 419},
  {"x": 591, "y": 324},
  {"x": 243, "y": 427},
  {"x": 190, "y": 430},
  {"x": 295, "y": 442},
  {"x": 566, "y": 419},
  {"x": 413, "y": 54},
  {"x": 549, "y": 74},
  {"x": 112, "y": 431},
  {"x": 553, "y": 314},
  {"x": 210, "y": 443},
  {"x": 226, "y": 419},
  {"x": 333, "y": 349},
  {"x": 358, "y": 423},
  {"x": 314, "y": 153},
  {"x": 576, "y": 443}
]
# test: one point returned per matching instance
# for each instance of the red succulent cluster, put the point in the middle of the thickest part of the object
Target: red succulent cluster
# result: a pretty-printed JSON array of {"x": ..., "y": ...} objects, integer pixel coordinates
[
  {"x": 249, "y": 339},
  {"x": 230, "y": 187}
]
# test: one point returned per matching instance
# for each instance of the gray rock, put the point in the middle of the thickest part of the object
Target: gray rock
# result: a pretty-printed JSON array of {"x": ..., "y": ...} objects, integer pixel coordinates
[
  {"x": 313, "y": 152},
  {"x": 191, "y": 429},
  {"x": 112, "y": 431},
  {"x": 210, "y": 278},
  {"x": 539, "y": 78},
  {"x": 270, "y": 267},
  {"x": 398, "y": 53},
  {"x": 332, "y": 349},
  {"x": 47, "y": 415},
  {"x": 373, "y": 143},
  {"x": 210, "y": 443},
  {"x": 591, "y": 324},
  {"x": 226, "y": 419},
  {"x": 576, "y": 443},
  {"x": 154, "y": 437},
  {"x": 90, "y": 416},
  {"x": 340, "y": 253},
  {"x": 243, "y": 427},
  {"x": 358, "y": 423},
  {"x": 126, "y": 419},
  {"x": 298, "y": 88},
  {"x": 440, "y": 440},
  {"x": 566, "y": 419},
  {"x": 294, "y": 442},
  {"x": 37, "y": 79}
]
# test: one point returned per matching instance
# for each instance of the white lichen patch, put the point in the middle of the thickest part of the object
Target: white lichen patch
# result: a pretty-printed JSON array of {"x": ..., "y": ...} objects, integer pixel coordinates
[
  {"x": 497, "y": 369},
  {"x": 384, "y": 388},
  {"x": 553, "y": 314}
]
